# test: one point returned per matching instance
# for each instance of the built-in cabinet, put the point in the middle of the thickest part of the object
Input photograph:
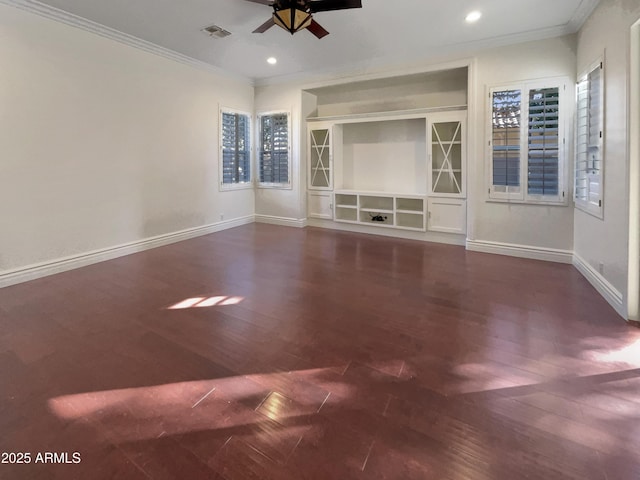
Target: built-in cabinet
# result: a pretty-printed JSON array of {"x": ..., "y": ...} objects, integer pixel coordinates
[
  {"x": 320, "y": 204},
  {"x": 447, "y": 153},
  {"x": 320, "y": 170},
  {"x": 447, "y": 215},
  {"x": 403, "y": 170},
  {"x": 320, "y": 157},
  {"x": 381, "y": 209}
]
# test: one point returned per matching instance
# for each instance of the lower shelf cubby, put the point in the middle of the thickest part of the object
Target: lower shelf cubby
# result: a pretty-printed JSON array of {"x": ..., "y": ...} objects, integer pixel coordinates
[
  {"x": 346, "y": 214},
  {"x": 371, "y": 202},
  {"x": 376, "y": 218},
  {"x": 388, "y": 210},
  {"x": 410, "y": 220},
  {"x": 349, "y": 200},
  {"x": 411, "y": 204}
]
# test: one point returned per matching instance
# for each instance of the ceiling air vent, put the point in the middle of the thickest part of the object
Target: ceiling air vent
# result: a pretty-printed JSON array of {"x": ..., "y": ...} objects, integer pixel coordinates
[{"x": 216, "y": 31}]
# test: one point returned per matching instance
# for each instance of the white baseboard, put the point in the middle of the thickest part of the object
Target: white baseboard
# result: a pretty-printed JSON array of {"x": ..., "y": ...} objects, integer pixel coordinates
[
  {"x": 522, "y": 251},
  {"x": 283, "y": 221},
  {"x": 601, "y": 284},
  {"x": 437, "y": 237},
  {"x": 31, "y": 272}
]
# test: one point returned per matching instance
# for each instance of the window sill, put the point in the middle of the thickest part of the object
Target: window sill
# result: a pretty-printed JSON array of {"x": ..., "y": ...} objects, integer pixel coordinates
[
  {"x": 597, "y": 213},
  {"x": 275, "y": 186},
  {"x": 234, "y": 187},
  {"x": 564, "y": 203}
]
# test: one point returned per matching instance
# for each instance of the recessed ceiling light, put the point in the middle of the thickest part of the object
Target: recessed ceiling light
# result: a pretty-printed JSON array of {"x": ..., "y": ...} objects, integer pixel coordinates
[
  {"x": 473, "y": 17},
  {"x": 272, "y": 60}
]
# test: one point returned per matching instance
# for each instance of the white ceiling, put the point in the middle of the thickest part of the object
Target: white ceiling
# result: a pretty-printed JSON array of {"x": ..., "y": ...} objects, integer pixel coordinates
[{"x": 382, "y": 32}]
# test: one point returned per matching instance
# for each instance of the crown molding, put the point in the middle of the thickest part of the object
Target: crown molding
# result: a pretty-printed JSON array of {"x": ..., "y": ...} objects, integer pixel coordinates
[
  {"x": 442, "y": 54},
  {"x": 584, "y": 10},
  {"x": 581, "y": 14},
  {"x": 58, "y": 15}
]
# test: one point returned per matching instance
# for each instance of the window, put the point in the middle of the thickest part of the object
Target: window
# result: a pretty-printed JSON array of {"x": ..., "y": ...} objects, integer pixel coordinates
[
  {"x": 235, "y": 144},
  {"x": 506, "y": 140},
  {"x": 273, "y": 153},
  {"x": 527, "y": 144},
  {"x": 543, "y": 142},
  {"x": 589, "y": 140}
]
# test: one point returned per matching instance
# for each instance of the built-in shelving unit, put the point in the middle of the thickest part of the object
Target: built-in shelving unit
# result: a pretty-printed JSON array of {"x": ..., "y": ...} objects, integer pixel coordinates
[
  {"x": 381, "y": 209},
  {"x": 390, "y": 152}
]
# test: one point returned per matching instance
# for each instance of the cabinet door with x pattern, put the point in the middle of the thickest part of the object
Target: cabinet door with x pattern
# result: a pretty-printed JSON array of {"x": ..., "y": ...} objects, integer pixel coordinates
[
  {"x": 320, "y": 157},
  {"x": 447, "y": 154}
]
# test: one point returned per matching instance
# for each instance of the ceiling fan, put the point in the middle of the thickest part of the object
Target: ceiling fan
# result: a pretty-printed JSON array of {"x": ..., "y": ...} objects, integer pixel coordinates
[{"x": 296, "y": 15}]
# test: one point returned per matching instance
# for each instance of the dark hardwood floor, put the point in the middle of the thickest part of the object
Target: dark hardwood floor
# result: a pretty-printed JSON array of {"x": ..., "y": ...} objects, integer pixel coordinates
[{"x": 266, "y": 352}]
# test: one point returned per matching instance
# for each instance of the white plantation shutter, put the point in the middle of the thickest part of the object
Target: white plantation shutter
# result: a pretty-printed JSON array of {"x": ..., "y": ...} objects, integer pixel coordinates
[
  {"x": 236, "y": 148},
  {"x": 543, "y": 175},
  {"x": 273, "y": 154},
  {"x": 506, "y": 140},
  {"x": 589, "y": 140}
]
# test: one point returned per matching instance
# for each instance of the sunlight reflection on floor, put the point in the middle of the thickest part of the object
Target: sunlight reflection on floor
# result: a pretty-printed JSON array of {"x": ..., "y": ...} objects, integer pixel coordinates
[
  {"x": 224, "y": 404},
  {"x": 197, "y": 302},
  {"x": 629, "y": 354}
]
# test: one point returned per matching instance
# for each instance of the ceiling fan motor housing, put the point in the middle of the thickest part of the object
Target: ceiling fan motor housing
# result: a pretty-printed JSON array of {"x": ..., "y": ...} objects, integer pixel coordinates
[
  {"x": 296, "y": 15},
  {"x": 292, "y": 16}
]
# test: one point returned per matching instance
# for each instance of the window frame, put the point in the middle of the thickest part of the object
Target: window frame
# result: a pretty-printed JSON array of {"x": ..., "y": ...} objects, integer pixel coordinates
[
  {"x": 237, "y": 185},
  {"x": 272, "y": 185},
  {"x": 522, "y": 195},
  {"x": 584, "y": 204}
]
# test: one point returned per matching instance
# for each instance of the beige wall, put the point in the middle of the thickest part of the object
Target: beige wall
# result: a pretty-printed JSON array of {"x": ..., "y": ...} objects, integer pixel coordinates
[
  {"x": 103, "y": 144},
  {"x": 284, "y": 202},
  {"x": 531, "y": 225},
  {"x": 605, "y": 240}
]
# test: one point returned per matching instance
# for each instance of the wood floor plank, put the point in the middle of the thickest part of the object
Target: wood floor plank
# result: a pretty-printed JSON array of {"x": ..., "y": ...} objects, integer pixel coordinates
[{"x": 279, "y": 353}]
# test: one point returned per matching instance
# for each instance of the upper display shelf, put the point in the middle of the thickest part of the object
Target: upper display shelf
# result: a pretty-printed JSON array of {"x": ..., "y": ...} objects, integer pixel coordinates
[
  {"x": 440, "y": 89},
  {"x": 388, "y": 115}
]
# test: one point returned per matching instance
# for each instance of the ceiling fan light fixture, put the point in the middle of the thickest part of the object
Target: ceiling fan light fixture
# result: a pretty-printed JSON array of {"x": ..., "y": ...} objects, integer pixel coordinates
[{"x": 292, "y": 19}]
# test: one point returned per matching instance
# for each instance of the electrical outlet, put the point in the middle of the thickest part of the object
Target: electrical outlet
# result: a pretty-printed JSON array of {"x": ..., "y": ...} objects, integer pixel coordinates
[
  {"x": 601, "y": 267},
  {"x": 222, "y": 216}
]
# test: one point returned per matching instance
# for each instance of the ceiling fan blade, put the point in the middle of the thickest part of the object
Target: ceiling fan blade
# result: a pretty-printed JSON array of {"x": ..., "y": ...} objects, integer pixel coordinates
[
  {"x": 262, "y": 2},
  {"x": 327, "y": 5},
  {"x": 317, "y": 29},
  {"x": 265, "y": 26}
]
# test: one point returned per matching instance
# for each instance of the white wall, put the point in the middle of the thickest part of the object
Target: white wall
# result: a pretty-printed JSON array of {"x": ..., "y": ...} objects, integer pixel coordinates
[
  {"x": 606, "y": 240},
  {"x": 389, "y": 156},
  {"x": 530, "y": 225},
  {"x": 278, "y": 202},
  {"x": 103, "y": 144},
  {"x": 633, "y": 287}
]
